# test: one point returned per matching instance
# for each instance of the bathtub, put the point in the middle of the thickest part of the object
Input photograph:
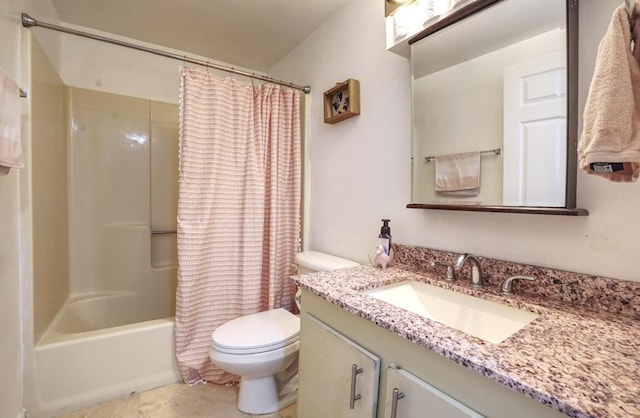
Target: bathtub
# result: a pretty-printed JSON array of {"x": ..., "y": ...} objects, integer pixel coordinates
[{"x": 101, "y": 347}]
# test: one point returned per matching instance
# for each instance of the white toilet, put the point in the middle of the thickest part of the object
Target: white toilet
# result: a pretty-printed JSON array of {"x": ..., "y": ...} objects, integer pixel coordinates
[{"x": 262, "y": 348}]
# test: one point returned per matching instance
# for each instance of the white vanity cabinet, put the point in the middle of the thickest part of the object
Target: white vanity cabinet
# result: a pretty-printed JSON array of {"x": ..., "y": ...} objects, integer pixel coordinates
[
  {"x": 332, "y": 340},
  {"x": 338, "y": 378}
]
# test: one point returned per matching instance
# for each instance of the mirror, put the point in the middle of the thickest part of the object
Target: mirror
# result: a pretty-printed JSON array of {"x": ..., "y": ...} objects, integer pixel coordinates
[{"x": 501, "y": 81}]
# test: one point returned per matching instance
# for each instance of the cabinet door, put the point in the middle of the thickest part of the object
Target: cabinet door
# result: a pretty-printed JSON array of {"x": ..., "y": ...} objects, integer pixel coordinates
[
  {"x": 338, "y": 378},
  {"x": 415, "y": 398}
]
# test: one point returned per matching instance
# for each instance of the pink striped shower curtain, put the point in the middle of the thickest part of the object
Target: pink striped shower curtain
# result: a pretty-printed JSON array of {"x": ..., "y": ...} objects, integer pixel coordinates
[{"x": 238, "y": 209}]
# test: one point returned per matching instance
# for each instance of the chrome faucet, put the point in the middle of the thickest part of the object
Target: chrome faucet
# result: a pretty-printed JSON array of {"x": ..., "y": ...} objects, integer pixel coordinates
[
  {"x": 476, "y": 271},
  {"x": 507, "y": 285}
]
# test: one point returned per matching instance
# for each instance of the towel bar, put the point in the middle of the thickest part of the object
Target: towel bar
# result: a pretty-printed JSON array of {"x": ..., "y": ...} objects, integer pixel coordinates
[
  {"x": 496, "y": 151},
  {"x": 163, "y": 232}
]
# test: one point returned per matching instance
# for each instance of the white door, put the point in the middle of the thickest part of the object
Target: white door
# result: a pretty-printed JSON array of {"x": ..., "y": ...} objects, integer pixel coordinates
[
  {"x": 535, "y": 108},
  {"x": 411, "y": 397},
  {"x": 338, "y": 378}
]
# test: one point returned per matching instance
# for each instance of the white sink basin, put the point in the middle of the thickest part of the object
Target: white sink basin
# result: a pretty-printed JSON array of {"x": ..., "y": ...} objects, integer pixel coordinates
[{"x": 490, "y": 321}]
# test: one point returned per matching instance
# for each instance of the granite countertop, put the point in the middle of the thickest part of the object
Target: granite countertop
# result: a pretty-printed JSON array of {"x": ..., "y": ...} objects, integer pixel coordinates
[{"x": 581, "y": 362}]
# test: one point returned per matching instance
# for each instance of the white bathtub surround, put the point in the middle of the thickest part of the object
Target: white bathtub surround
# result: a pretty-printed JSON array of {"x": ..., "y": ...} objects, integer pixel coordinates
[
  {"x": 10, "y": 147},
  {"x": 104, "y": 345},
  {"x": 78, "y": 369},
  {"x": 104, "y": 292},
  {"x": 238, "y": 210}
]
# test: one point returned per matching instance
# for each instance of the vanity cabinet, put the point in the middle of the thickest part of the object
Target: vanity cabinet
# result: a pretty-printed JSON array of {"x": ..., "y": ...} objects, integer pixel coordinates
[
  {"x": 330, "y": 336},
  {"x": 411, "y": 397},
  {"x": 338, "y": 377}
]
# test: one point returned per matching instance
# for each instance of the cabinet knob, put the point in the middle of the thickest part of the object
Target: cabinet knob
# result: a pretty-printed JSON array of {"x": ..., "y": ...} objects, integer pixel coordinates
[
  {"x": 355, "y": 371},
  {"x": 397, "y": 395}
]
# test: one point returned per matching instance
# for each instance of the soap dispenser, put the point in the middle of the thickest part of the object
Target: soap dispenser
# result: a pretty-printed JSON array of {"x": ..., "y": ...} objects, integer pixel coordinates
[
  {"x": 383, "y": 251},
  {"x": 385, "y": 236}
]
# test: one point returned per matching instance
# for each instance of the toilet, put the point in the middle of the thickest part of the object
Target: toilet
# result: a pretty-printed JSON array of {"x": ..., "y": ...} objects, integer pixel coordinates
[{"x": 262, "y": 348}]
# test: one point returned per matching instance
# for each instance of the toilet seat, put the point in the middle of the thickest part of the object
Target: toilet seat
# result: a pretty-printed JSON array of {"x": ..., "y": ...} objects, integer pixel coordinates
[{"x": 257, "y": 333}]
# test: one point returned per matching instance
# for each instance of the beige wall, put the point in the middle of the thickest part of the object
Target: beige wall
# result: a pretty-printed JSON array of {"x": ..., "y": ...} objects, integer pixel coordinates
[
  {"x": 49, "y": 188},
  {"x": 357, "y": 171},
  {"x": 49, "y": 40},
  {"x": 100, "y": 66},
  {"x": 10, "y": 285},
  {"x": 360, "y": 168}
]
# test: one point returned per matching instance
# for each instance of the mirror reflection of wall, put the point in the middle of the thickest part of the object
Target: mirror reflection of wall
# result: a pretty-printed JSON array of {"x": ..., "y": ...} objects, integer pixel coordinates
[{"x": 465, "y": 99}]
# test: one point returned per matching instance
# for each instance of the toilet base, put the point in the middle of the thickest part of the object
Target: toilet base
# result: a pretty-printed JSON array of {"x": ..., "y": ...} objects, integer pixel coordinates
[{"x": 260, "y": 396}]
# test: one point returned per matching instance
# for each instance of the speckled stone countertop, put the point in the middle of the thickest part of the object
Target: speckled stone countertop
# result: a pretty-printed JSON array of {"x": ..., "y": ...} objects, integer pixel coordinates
[{"x": 582, "y": 361}]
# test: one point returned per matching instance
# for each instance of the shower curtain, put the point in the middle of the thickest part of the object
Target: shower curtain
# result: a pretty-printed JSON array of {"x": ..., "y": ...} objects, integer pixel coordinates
[{"x": 238, "y": 209}]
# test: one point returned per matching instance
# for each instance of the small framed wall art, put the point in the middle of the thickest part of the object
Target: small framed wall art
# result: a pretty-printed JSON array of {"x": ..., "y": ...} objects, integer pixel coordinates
[{"x": 342, "y": 101}]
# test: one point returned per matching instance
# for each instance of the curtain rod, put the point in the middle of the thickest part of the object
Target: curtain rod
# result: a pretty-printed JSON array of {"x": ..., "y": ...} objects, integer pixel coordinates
[{"x": 29, "y": 22}]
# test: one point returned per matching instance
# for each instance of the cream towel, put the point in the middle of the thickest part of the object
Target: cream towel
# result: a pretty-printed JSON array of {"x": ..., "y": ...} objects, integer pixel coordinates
[
  {"x": 10, "y": 150},
  {"x": 611, "y": 128},
  {"x": 458, "y": 174}
]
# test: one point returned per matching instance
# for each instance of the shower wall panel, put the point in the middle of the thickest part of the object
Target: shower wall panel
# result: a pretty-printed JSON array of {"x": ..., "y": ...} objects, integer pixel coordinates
[
  {"x": 123, "y": 177},
  {"x": 49, "y": 182},
  {"x": 109, "y": 182},
  {"x": 164, "y": 182}
]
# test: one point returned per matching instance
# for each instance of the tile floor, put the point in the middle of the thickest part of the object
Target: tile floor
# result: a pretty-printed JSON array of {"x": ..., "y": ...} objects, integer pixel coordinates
[{"x": 178, "y": 401}]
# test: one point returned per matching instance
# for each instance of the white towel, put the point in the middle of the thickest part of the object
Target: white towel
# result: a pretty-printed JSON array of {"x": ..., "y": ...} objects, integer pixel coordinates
[
  {"x": 458, "y": 174},
  {"x": 10, "y": 149},
  {"x": 611, "y": 128}
]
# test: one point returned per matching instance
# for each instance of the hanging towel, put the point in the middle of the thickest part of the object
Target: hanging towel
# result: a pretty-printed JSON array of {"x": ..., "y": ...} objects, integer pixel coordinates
[
  {"x": 610, "y": 142},
  {"x": 635, "y": 37},
  {"x": 10, "y": 150},
  {"x": 458, "y": 174}
]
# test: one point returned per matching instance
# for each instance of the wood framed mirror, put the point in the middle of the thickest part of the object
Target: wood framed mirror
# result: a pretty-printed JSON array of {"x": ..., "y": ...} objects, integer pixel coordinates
[{"x": 498, "y": 75}]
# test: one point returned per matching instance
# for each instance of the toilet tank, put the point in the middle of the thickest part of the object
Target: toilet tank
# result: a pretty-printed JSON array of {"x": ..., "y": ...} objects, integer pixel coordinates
[{"x": 312, "y": 261}]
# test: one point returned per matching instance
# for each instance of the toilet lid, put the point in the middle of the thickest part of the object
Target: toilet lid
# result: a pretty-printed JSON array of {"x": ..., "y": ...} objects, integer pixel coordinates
[{"x": 258, "y": 332}]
